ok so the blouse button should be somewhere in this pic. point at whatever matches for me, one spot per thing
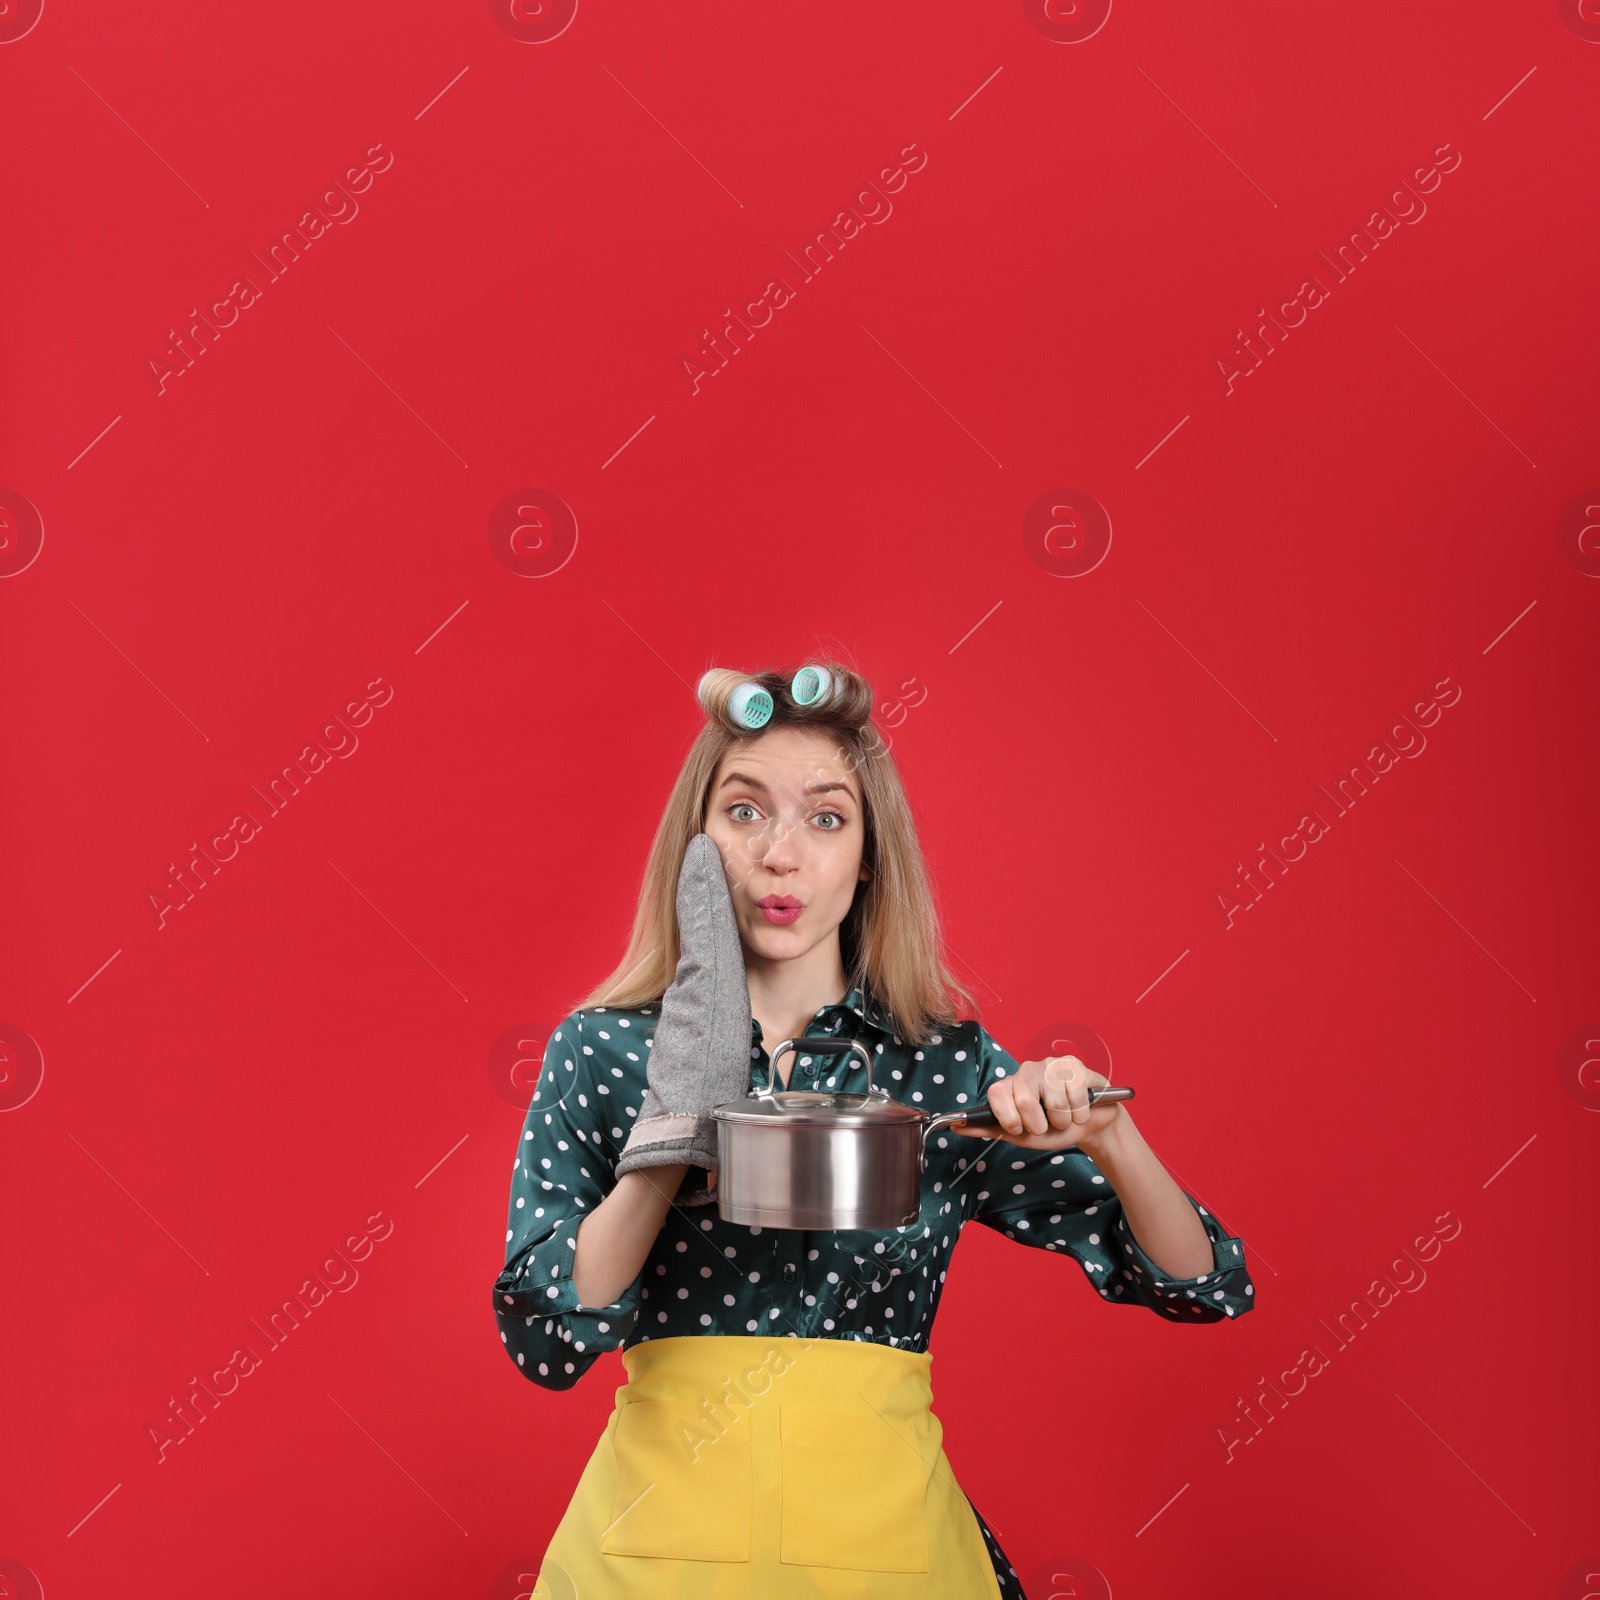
(788, 1272)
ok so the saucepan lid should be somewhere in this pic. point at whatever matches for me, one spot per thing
(773, 1107)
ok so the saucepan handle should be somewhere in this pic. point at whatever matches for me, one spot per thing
(983, 1117)
(820, 1047)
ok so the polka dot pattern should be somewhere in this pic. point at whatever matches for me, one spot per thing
(706, 1276)
(1005, 1574)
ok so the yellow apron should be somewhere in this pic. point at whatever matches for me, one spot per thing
(781, 1467)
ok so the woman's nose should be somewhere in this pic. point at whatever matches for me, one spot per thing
(780, 844)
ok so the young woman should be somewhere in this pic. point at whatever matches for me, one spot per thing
(775, 1436)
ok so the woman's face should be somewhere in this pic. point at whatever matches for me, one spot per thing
(787, 816)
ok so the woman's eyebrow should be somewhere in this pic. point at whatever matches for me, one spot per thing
(811, 788)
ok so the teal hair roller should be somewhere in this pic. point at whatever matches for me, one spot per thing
(750, 706)
(811, 686)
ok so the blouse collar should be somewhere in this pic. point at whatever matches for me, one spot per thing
(860, 1004)
(867, 1008)
(830, 1018)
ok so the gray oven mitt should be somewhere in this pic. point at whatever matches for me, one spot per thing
(700, 1055)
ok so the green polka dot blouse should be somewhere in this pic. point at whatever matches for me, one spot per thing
(707, 1276)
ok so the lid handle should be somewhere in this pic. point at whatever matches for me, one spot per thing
(823, 1047)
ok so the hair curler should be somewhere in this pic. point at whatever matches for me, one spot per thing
(813, 686)
(750, 706)
(747, 706)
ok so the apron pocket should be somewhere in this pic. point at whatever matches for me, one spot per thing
(683, 1489)
(854, 1491)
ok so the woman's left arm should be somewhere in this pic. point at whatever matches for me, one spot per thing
(1065, 1175)
(1159, 1214)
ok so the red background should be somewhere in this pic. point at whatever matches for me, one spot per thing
(310, 1042)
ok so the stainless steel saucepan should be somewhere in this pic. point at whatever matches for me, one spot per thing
(804, 1158)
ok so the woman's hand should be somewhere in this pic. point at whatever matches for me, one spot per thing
(1045, 1106)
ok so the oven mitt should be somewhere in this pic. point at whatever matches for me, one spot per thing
(700, 1055)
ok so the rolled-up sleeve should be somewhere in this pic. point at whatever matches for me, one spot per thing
(1060, 1200)
(563, 1170)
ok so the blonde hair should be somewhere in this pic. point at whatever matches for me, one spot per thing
(891, 940)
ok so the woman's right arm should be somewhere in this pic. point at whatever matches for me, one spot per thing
(614, 1241)
(555, 1285)
(555, 1317)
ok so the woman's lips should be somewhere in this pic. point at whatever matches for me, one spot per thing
(780, 909)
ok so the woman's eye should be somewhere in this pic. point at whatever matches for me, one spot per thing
(741, 805)
(835, 817)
